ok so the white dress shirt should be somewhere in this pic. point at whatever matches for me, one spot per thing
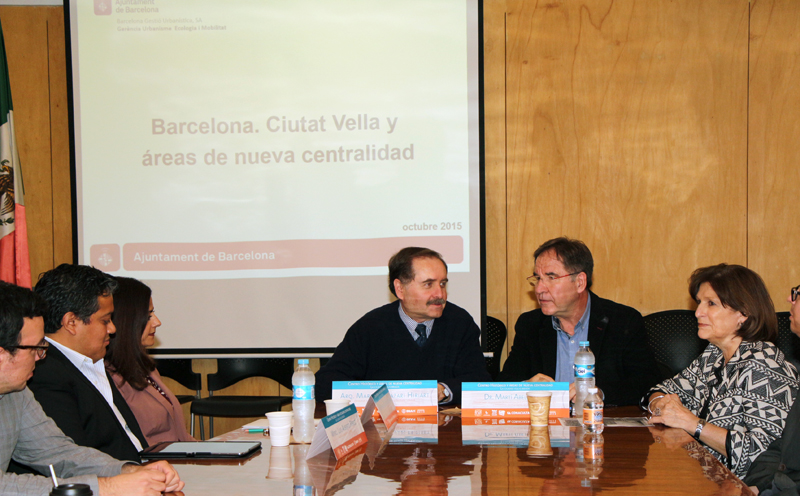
(96, 373)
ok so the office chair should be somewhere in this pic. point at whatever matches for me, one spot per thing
(229, 372)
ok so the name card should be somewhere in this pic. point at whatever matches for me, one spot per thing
(508, 432)
(382, 400)
(341, 431)
(509, 399)
(412, 430)
(328, 473)
(409, 397)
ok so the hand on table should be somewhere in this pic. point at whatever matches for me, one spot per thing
(146, 480)
(669, 410)
(541, 378)
(547, 378)
(669, 437)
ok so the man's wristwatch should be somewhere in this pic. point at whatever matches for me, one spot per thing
(700, 424)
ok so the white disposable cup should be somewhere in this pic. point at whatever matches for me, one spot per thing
(279, 419)
(280, 462)
(279, 435)
(333, 406)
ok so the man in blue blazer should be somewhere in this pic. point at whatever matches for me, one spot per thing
(72, 384)
(548, 338)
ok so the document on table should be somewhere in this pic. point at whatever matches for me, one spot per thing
(609, 422)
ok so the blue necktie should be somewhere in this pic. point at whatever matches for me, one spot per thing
(423, 335)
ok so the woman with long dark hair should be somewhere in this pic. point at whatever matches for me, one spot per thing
(735, 397)
(158, 412)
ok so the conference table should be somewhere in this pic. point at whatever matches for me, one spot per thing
(446, 454)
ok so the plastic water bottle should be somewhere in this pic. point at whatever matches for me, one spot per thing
(303, 402)
(584, 376)
(593, 412)
(593, 455)
(303, 485)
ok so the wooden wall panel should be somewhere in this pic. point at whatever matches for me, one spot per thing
(626, 128)
(35, 48)
(773, 135)
(59, 141)
(494, 45)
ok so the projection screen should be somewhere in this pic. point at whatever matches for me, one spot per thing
(257, 162)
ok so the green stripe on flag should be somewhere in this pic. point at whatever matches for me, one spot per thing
(5, 83)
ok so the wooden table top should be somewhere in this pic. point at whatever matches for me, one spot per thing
(458, 458)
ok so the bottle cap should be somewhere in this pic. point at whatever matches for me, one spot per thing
(302, 361)
(583, 343)
(592, 390)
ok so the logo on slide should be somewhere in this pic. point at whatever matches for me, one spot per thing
(105, 257)
(102, 7)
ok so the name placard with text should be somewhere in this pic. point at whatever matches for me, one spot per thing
(341, 431)
(508, 432)
(409, 397)
(381, 400)
(509, 399)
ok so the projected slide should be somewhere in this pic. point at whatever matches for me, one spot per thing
(257, 162)
(289, 141)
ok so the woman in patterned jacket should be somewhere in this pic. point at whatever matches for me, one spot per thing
(734, 398)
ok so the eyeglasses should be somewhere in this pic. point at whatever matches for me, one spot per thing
(795, 292)
(41, 349)
(534, 280)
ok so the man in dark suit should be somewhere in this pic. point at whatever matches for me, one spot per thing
(420, 336)
(547, 339)
(72, 385)
(776, 472)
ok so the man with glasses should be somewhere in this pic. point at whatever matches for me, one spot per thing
(29, 437)
(72, 385)
(777, 470)
(548, 338)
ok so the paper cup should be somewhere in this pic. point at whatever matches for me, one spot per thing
(539, 406)
(279, 419)
(280, 462)
(539, 441)
(279, 435)
(333, 406)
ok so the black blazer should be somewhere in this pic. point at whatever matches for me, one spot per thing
(78, 408)
(782, 457)
(624, 365)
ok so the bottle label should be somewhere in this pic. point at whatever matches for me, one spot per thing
(584, 371)
(303, 392)
(592, 416)
(593, 451)
(303, 490)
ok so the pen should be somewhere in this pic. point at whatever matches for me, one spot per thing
(256, 431)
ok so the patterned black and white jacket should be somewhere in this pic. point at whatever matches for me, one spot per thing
(750, 396)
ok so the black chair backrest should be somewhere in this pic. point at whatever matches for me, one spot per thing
(232, 370)
(788, 342)
(495, 339)
(672, 335)
(180, 371)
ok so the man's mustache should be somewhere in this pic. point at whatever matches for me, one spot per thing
(437, 301)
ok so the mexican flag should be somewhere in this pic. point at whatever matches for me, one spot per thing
(15, 266)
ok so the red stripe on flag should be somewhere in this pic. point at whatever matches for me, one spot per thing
(23, 259)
